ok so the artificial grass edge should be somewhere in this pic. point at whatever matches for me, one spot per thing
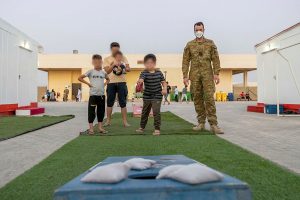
(40, 127)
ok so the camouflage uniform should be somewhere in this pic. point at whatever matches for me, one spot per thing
(204, 60)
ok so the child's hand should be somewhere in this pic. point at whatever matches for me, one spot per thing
(106, 82)
(164, 91)
(90, 85)
(140, 81)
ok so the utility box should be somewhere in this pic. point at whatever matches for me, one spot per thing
(143, 185)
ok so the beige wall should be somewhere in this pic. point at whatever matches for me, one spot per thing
(228, 61)
(225, 84)
(58, 79)
(131, 78)
(174, 77)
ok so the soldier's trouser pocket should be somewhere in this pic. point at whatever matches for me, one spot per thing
(209, 87)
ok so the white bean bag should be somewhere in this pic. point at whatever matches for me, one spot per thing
(190, 174)
(139, 163)
(111, 173)
(166, 171)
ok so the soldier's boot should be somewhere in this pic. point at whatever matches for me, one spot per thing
(216, 130)
(199, 127)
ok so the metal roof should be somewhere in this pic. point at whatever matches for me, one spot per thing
(7, 27)
(278, 34)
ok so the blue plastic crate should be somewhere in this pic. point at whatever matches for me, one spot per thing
(272, 109)
(143, 185)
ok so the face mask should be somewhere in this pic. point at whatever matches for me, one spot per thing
(198, 34)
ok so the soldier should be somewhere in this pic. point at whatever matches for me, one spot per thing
(201, 65)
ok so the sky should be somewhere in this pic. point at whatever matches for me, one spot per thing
(156, 26)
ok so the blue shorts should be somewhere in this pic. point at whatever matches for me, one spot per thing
(114, 88)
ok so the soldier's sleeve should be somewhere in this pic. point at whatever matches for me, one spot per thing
(186, 61)
(215, 59)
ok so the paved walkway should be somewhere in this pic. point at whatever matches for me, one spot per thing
(23, 152)
(271, 137)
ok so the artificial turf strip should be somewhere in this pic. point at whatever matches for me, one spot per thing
(18, 125)
(267, 180)
(170, 122)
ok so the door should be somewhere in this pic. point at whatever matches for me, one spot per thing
(75, 87)
(41, 92)
(25, 81)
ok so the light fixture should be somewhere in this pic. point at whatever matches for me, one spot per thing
(25, 45)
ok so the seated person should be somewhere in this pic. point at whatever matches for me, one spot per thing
(119, 66)
(242, 96)
(248, 97)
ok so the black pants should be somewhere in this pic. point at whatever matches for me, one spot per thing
(96, 103)
(147, 106)
(176, 97)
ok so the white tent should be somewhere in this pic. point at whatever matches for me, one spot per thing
(18, 66)
(278, 68)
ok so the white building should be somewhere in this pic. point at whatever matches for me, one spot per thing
(18, 68)
(278, 68)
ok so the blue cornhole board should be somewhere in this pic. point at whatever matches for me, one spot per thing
(143, 185)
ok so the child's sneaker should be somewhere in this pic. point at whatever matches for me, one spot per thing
(127, 125)
(140, 130)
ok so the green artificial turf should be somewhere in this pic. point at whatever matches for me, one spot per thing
(18, 125)
(173, 125)
(267, 180)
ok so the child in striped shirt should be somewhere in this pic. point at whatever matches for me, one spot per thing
(153, 80)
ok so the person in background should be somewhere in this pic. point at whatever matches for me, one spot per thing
(79, 95)
(117, 84)
(48, 95)
(176, 93)
(167, 95)
(52, 95)
(184, 94)
(242, 96)
(57, 95)
(248, 98)
(66, 94)
(97, 98)
(153, 80)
